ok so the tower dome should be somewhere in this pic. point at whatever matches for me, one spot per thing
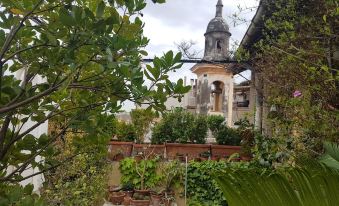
(217, 37)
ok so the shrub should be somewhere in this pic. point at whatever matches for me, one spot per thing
(215, 122)
(125, 131)
(228, 136)
(180, 126)
(141, 120)
(199, 130)
(142, 174)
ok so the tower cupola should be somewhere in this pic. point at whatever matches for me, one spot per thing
(217, 37)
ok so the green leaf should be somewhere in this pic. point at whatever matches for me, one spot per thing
(65, 17)
(100, 9)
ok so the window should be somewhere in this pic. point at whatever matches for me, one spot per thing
(218, 45)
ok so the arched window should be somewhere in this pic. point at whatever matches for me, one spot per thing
(216, 90)
(218, 45)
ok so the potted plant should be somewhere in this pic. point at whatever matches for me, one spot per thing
(146, 171)
(140, 200)
(172, 173)
(156, 196)
(117, 198)
(168, 199)
(205, 155)
(128, 189)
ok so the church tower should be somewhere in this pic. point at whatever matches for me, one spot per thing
(215, 80)
(217, 37)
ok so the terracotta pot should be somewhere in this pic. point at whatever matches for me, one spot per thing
(245, 158)
(215, 158)
(113, 188)
(156, 199)
(117, 198)
(125, 148)
(118, 157)
(204, 158)
(142, 192)
(140, 202)
(181, 158)
(197, 159)
(167, 202)
(224, 150)
(192, 150)
(127, 201)
(154, 150)
(138, 158)
(129, 193)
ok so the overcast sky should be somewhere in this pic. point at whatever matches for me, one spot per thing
(185, 20)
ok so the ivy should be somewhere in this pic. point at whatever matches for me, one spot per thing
(202, 189)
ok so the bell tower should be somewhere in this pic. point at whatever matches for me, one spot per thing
(215, 80)
(217, 37)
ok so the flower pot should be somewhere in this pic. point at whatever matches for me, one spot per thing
(129, 193)
(142, 192)
(181, 158)
(124, 147)
(127, 201)
(117, 198)
(245, 158)
(167, 201)
(118, 157)
(138, 158)
(113, 188)
(215, 158)
(140, 202)
(156, 199)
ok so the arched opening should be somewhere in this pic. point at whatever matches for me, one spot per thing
(216, 92)
(218, 45)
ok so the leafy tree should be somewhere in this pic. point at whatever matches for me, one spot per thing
(296, 59)
(125, 131)
(142, 119)
(88, 56)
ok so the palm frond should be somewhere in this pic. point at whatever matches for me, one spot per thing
(307, 186)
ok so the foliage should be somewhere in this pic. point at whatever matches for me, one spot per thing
(227, 136)
(199, 130)
(80, 181)
(297, 186)
(125, 131)
(215, 122)
(247, 140)
(76, 62)
(142, 174)
(17, 195)
(201, 187)
(180, 126)
(331, 156)
(270, 152)
(172, 175)
(297, 61)
(141, 120)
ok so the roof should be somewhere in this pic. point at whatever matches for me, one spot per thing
(217, 24)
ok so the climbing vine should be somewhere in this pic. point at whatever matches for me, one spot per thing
(297, 61)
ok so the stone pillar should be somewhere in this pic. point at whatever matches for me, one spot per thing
(230, 103)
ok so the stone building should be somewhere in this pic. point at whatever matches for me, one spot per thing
(214, 91)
